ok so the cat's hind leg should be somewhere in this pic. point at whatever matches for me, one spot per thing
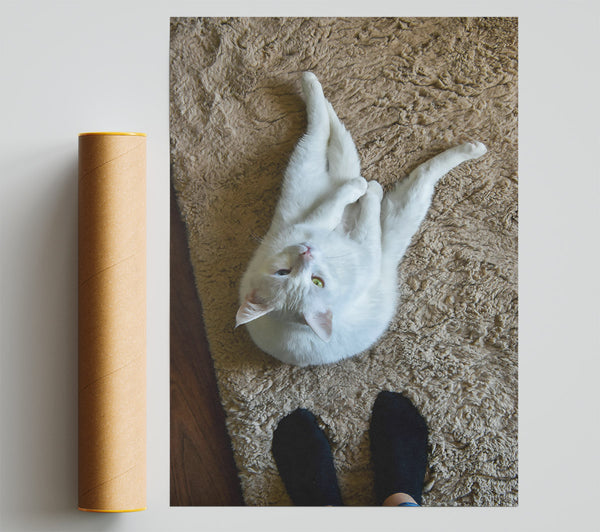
(316, 107)
(342, 158)
(305, 180)
(405, 207)
(309, 158)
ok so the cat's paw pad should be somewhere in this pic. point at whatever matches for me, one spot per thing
(310, 85)
(474, 149)
(374, 188)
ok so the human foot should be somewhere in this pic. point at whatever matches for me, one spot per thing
(304, 460)
(398, 436)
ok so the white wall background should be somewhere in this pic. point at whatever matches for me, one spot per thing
(68, 67)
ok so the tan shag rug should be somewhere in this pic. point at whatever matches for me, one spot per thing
(406, 89)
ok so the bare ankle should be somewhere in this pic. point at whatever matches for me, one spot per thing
(398, 498)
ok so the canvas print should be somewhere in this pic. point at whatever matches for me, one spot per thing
(344, 229)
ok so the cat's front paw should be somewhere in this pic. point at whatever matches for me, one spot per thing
(374, 188)
(354, 189)
(360, 184)
(474, 149)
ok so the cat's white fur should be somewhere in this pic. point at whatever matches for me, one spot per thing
(332, 227)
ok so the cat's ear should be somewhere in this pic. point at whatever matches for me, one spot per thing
(320, 323)
(251, 309)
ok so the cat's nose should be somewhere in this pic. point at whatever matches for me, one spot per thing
(305, 252)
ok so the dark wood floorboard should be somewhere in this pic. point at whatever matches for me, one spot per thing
(203, 472)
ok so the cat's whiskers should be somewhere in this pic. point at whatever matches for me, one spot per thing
(338, 256)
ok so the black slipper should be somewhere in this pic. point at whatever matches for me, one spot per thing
(304, 460)
(398, 436)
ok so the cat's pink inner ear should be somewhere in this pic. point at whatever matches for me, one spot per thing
(251, 309)
(320, 323)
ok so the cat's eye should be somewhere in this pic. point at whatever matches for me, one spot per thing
(283, 272)
(318, 281)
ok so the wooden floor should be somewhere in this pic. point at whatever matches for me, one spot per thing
(203, 472)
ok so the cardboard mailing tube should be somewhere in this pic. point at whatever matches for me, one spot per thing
(112, 322)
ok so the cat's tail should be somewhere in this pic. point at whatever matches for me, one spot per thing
(405, 206)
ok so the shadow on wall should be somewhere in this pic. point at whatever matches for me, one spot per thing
(38, 376)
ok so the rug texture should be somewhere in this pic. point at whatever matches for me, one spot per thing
(406, 89)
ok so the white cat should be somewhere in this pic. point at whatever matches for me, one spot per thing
(322, 286)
